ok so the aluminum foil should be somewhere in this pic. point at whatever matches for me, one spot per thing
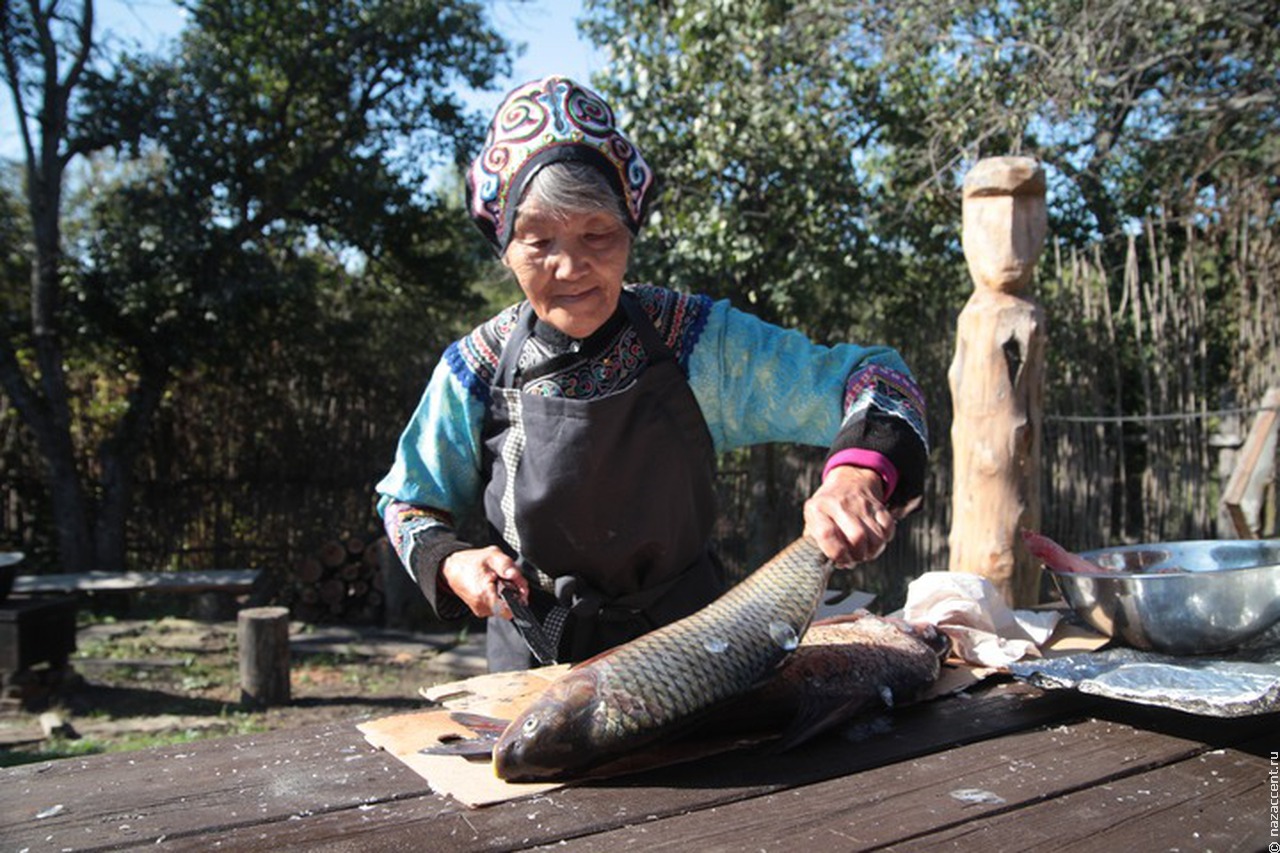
(1239, 684)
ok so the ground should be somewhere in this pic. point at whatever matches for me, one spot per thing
(134, 683)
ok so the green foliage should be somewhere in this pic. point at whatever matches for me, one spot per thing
(779, 146)
(750, 124)
(811, 151)
(874, 110)
(280, 130)
(267, 172)
(15, 264)
(1134, 107)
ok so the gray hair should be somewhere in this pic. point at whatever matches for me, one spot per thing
(567, 187)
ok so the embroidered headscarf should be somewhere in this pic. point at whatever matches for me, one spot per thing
(547, 121)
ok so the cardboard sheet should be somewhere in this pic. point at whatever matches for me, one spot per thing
(502, 695)
(1072, 638)
(472, 783)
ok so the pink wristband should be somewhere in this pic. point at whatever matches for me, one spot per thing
(860, 458)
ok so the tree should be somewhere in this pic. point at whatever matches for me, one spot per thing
(276, 127)
(53, 48)
(1136, 106)
(812, 151)
(796, 136)
(742, 130)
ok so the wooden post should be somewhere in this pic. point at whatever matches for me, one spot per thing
(997, 377)
(263, 634)
(1243, 498)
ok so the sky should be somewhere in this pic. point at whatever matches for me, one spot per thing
(547, 27)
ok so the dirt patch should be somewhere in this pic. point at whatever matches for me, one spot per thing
(137, 683)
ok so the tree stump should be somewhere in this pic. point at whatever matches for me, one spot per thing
(997, 379)
(263, 634)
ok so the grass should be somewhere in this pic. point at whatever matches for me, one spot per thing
(130, 676)
(49, 750)
(139, 675)
(58, 747)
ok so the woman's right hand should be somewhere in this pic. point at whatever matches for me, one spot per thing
(474, 575)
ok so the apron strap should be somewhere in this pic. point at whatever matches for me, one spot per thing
(653, 345)
(504, 375)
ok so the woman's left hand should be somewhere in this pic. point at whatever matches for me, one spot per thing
(847, 517)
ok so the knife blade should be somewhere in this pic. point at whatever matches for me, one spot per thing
(527, 625)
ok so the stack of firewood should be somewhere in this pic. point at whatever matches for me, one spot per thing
(340, 582)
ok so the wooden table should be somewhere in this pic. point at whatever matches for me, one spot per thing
(1007, 768)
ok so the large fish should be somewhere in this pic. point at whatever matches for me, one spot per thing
(845, 666)
(662, 683)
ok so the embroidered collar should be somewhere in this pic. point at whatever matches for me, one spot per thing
(557, 351)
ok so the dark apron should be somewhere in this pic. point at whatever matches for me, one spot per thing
(607, 503)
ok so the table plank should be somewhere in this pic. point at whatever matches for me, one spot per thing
(205, 788)
(1215, 801)
(1073, 764)
(927, 797)
(650, 798)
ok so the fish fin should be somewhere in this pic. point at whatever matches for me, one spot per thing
(470, 748)
(819, 714)
(479, 723)
(843, 618)
(480, 747)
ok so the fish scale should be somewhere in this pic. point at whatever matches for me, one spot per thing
(656, 684)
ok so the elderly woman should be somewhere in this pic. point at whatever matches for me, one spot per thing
(585, 421)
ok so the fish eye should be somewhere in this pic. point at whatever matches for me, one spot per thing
(530, 725)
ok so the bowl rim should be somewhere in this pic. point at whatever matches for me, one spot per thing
(1116, 574)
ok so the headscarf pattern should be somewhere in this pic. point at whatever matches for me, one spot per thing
(545, 121)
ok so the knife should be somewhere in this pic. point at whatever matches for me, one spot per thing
(527, 624)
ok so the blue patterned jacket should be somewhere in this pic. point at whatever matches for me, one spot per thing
(754, 382)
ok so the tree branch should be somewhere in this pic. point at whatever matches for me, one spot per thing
(31, 409)
(8, 40)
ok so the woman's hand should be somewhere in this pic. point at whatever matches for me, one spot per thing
(847, 517)
(474, 575)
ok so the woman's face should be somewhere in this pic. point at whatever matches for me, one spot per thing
(570, 267)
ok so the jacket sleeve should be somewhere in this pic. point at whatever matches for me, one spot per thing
(759, 383)
(434, 480)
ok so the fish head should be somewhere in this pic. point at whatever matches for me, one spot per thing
(935, 639)
(553, 735)
(925, 632)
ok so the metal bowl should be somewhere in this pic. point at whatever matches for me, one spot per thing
(1181, 598)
